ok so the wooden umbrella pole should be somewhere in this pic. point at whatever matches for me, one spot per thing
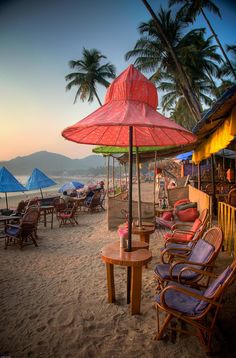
(154, 184)
(108, 165)
(113, 174)
(130, 218)
(126, 183)
(139, 190)
(130, 209)
(6, 200)
(120, 177)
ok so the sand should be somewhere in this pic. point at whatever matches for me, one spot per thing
(53, 301)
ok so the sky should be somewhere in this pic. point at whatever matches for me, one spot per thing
(37, 40)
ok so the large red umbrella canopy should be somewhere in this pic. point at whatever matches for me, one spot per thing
(131, 100)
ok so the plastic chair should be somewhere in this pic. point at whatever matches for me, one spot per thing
(193, 307)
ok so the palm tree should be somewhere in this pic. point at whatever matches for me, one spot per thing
(195, 54)
(192, 8)
(89, 73)
(189, 94)
(225, 70)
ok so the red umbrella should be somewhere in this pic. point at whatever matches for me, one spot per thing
(129, 118)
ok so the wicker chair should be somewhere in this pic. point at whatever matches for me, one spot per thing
(232, 197)
(182, 233)
(24, 233)
(193, 307)
(201, 257)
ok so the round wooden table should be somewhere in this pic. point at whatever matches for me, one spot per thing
(144, 232)
(112, 255)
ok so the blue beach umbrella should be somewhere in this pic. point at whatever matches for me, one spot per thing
(39, 180)
(72, 185)
(8, 183)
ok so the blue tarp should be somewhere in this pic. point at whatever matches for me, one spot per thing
(8, 183)
(39, 180)
(185, 156)
(72, 185)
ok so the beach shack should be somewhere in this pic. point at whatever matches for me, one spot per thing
(216, 131)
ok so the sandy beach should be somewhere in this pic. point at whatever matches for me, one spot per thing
(53, 301)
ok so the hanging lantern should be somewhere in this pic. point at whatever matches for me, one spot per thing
(230, 174)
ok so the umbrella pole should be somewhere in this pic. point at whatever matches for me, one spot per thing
(108, 166)
(139, 190)
(113, 175)
(41, 192)
(130, 209)
(154, 184)
(6, 200)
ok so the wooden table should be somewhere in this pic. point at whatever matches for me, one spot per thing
(47, 210)
(160, 211)
(144, 232)
(112, 255)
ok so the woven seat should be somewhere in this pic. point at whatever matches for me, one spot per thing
(193, 306)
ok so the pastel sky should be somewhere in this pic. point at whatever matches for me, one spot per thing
(38, 38)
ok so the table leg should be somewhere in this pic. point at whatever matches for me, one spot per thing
(136, 285)
(144, 237)
(52, 219)
(110, 283)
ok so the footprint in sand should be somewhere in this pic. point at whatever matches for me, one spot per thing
(63, 318)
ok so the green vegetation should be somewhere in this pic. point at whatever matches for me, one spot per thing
(186, 66)
(88, 73)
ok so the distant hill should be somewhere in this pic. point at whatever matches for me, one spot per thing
(52, 163)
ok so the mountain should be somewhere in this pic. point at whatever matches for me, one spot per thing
(52, 163)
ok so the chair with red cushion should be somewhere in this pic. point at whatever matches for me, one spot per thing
(183, 233)
(68, 215)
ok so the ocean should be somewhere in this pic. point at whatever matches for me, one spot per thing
(14, 198)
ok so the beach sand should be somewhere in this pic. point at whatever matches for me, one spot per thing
(53, 301)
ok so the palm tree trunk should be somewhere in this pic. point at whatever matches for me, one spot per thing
(218, 42)
(191, 96)
(184, 92)
(96, 95)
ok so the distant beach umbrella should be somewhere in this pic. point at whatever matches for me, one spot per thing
(72, 185)
(39, 180)
(9, 184)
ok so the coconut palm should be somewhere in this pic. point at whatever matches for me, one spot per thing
(88, 73)
(189, 94)
(225, 69)
(196, 55)
(192, 8)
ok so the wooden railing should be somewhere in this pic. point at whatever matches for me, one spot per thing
(226, 221)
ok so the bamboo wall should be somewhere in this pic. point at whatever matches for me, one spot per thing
(226, 221)
(116, 204)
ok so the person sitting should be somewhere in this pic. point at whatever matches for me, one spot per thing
(73, 194)
(89, 197)
(66, 197)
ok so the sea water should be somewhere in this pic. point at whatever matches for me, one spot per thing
(14, 198)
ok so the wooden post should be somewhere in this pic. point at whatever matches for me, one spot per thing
(213, 185)
(154, 184)
(130, 216)
(113, 174)
(108, 166)
(199, 176)
(120, 178)
(139, 190)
